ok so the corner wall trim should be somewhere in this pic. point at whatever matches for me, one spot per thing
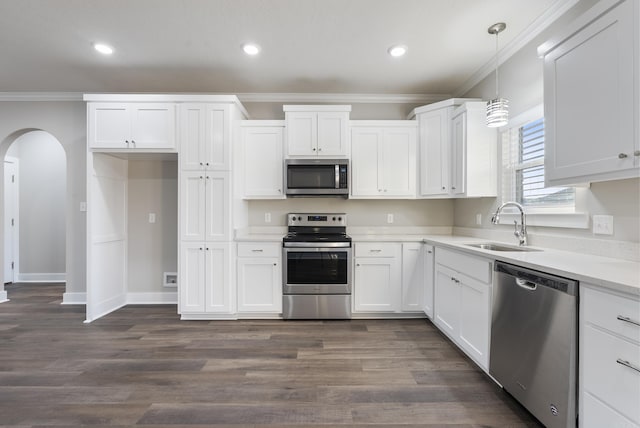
(153, 298)
(74, 299)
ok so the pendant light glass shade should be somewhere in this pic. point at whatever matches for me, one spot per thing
(497, 112)
(498, 108)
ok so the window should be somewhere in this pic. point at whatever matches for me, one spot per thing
(523, 171)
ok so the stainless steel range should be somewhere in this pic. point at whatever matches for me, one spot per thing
(317, 267)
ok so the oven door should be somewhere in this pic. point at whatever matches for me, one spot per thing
(316, 270)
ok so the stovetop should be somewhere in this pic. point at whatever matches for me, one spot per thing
(317, 228)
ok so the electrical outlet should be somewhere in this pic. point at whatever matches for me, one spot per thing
(479, 219)
(83, 207)
(389, 218)
(267, 217)
(603, 225)
(152, 217)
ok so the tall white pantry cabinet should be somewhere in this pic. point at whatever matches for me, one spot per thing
(205, 268)
(194, 133)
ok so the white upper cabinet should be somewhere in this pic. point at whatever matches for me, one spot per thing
(205, 137)
(383, 159)
(313, 131)
(457, 151)
(262, 159)
(434, 129)
(114, 125)
(591, 96)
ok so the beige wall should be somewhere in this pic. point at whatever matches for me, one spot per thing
(152, 247)
(66, 121)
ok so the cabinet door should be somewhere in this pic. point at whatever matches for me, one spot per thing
(333, 133)
(262, 159)
(412, 277)
(434, 152)
(217, 206)
(377, 285)
(458, 154)
(192, 277)
(446, 301)
(364, 161)
(397, 169)
(302, 133)
(192, 132)
(259, 285)
(475, 304)
(109, 125)
(192, 206)
(218, 290)
(590, 88)
(217, 147)
(153, 126)
(429, 280)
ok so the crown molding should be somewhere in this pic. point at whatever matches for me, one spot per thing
(548, 17)
(289, 97)
(258, 97)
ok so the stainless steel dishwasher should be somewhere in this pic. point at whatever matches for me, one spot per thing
(533, 342)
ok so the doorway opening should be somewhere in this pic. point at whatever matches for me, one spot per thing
(35, 194)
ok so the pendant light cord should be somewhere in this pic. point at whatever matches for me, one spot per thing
(497, 65)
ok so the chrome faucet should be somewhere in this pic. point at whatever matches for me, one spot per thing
(520, 233)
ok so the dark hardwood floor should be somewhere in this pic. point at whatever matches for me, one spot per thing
(143, 366)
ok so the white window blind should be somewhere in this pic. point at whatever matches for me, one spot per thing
(523, 169)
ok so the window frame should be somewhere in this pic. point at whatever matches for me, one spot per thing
(557, 215)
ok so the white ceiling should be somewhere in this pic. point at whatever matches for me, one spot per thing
(308, 46)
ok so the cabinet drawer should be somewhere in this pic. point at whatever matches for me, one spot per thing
(603, 376)
(377, 249)
(474, 267)
(259, 249)
(612, 312)
(596, 414)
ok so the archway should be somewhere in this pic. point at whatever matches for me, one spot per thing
(40, 183)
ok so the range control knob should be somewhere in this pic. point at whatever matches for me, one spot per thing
(339, 218)
(334, 219)
(299, 218)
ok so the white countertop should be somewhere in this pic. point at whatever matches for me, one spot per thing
(616, 274)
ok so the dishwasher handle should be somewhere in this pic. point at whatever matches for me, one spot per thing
(527, 285)
(530, 279)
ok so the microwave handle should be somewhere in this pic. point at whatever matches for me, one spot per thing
(337, 176)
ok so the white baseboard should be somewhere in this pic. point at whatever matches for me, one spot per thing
(153, 298)
(40, 277)
(3, 297)
(74, 299)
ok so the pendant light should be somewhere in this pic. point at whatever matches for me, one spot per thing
(498, 108)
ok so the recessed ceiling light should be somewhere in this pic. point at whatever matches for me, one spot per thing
(103, 49)
(251, 48)
(397, 50)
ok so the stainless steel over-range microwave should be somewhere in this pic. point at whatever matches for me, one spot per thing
(317, 177)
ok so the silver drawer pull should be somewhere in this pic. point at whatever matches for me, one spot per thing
(375, 251)
(629, 320)
(627, 364)
(257, 251)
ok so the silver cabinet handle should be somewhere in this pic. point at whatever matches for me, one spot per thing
(622, 155)
(375, 251)
(627, 364)
(629, 320)
(257, 250)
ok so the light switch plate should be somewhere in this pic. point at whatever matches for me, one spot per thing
(267, 217)
(389, 218)
(152, 217)
(603, 225)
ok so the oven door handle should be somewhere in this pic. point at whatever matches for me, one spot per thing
(318, 245)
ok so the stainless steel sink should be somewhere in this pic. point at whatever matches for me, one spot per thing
(492, 246)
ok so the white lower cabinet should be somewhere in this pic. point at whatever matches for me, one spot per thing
(378, 276)
(462, 302)
(412, 277)
(259, 278)
(429, 279)
(205, 283)
(609, 382)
